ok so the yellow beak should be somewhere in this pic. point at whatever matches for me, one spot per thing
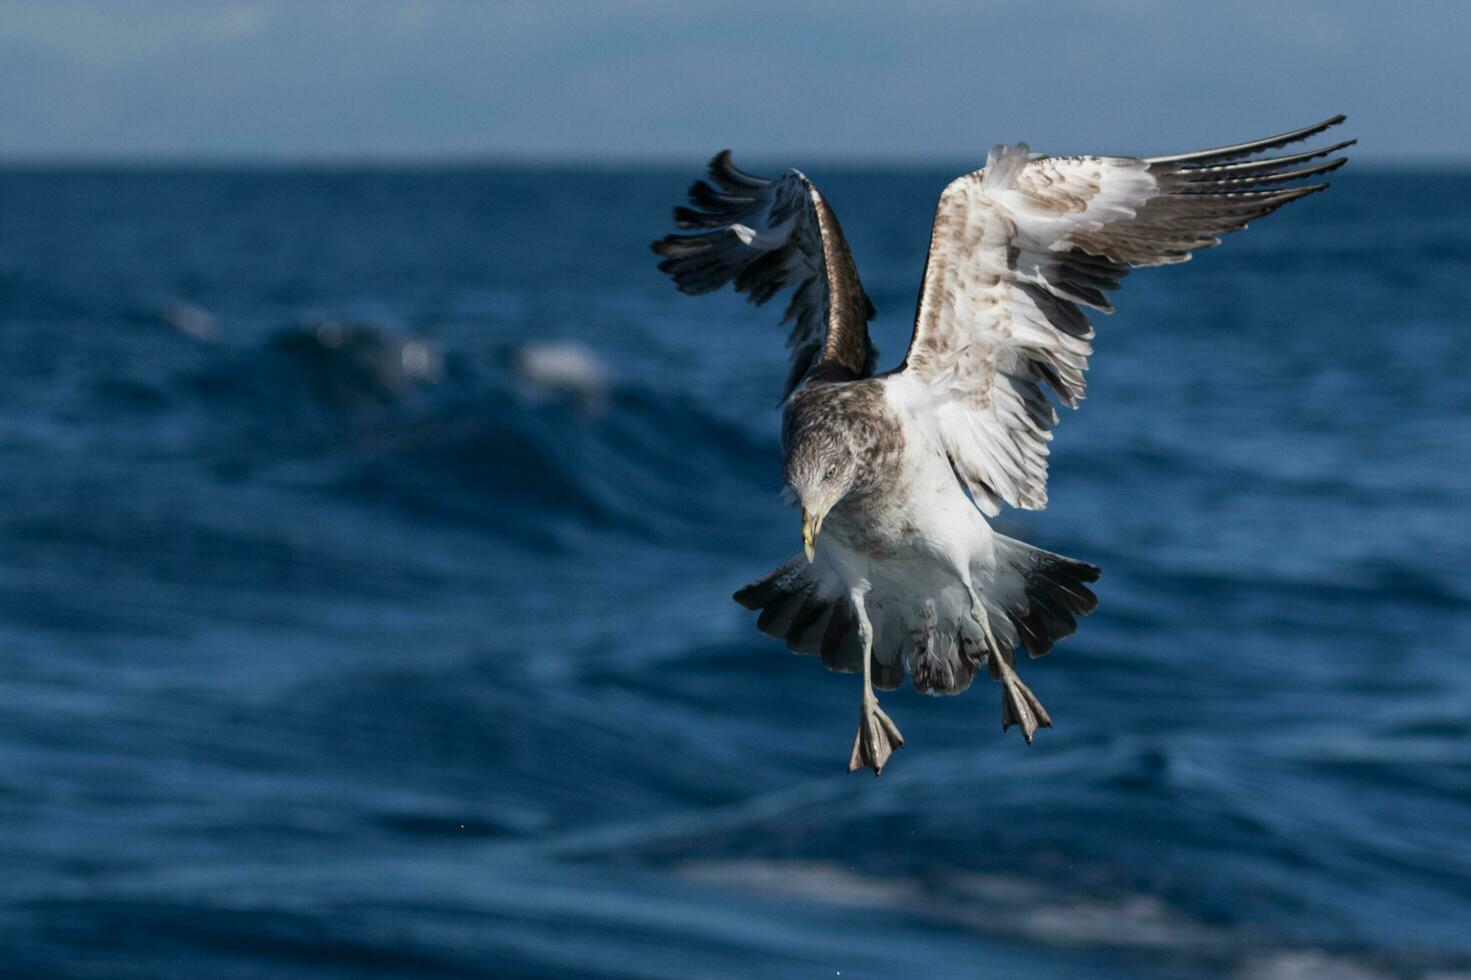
(810, 526)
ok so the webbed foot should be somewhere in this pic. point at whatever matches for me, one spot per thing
(876, 740)
(1019, 706)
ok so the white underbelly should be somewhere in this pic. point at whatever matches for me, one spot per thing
(920, 538)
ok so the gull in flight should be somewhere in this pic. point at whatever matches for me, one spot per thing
(896, 473)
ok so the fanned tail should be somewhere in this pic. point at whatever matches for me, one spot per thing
(1032, 597)
(1053, 593)
(805, 605)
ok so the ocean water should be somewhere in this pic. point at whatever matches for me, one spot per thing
(366, 547)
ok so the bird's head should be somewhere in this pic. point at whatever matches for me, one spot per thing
(821, 468)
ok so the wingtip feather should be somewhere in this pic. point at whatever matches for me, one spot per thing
(1235, 151)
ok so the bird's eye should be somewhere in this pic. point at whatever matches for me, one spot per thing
(832, 471)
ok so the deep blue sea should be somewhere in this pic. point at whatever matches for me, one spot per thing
(366, 547)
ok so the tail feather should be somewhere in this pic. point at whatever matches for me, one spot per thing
(804, 605)
(1033, 598)
(809, 626)
(761, 592)
(1053, 593)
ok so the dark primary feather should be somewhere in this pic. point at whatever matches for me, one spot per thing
(1251, 147)
(799, 243)
(1268, 163)
(1200, 198)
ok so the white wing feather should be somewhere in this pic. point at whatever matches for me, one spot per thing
(1019, 247)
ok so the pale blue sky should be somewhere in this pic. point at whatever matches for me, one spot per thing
(670, 79)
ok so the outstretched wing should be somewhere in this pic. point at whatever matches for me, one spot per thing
(1019, 247)
(767, 235)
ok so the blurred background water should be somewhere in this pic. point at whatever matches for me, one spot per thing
(366, 545)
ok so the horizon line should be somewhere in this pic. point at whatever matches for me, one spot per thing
(571, 161)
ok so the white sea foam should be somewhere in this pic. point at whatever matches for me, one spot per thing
(562, 368)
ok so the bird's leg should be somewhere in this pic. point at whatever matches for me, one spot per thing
(978, 612)
(1019, 706)
(877, 736)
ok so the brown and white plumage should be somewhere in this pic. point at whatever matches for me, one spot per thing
(1020, 247)
(908, 577)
